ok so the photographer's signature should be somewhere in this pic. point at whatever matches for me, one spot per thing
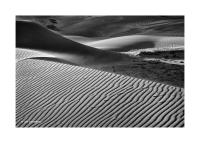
(29, 122)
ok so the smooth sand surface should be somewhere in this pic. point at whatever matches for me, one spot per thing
(136, 42)
(82, 39)
(112, 26)
(53, 94)
(133, 63)
(164, 49)
(33, 36)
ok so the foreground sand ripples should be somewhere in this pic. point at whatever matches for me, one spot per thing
(50, 94)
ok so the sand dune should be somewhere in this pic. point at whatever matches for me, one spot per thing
(33, 36)
(77, 81)
(112, 26)
(163, 49)
(82, 39)
(50, 94)
(150, 68)
(137, 42)
(22, 54)
(151, 48)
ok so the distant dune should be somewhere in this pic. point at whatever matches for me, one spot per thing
(33, 36)
(136, 42)
(82, 39)
(112, 26)
(52, 94)
(58, 48)
(162, 57)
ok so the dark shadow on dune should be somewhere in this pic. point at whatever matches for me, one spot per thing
(137, 45)
(30, 35)
(34, 36)
(179, 54)
(151, 70)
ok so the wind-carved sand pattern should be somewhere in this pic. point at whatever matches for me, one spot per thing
(100, 71)
(52, 94)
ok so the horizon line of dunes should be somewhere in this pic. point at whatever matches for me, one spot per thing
(111, 26)
(50, 94)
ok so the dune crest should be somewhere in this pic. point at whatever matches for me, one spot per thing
(137, 42)
(127, 72)
(33, 36)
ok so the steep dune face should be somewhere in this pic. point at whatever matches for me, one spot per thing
(33, 36)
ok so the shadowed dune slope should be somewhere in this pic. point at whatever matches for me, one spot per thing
(33, 36)
(50, 94)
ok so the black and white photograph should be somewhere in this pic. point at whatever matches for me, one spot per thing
(102, 71)
(109, 71)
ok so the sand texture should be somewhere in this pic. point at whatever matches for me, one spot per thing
(125, 78)
(52, 94)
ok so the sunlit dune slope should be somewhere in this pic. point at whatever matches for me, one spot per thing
(82, 39)
(51, 94)
(22, 54)
(136, 42)
(155, 71)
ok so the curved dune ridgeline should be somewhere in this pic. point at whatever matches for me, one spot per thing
(108, 81)
(22, 54)
(137, 42)
(50, 94)
(33, 36)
